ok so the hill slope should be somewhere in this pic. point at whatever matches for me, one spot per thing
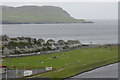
(36, 14)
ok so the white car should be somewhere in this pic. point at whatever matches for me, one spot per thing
(38, 53)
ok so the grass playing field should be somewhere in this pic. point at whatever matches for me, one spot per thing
(67, 63)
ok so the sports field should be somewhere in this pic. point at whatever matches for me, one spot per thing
(67, 63)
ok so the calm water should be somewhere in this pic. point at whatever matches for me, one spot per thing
(98, 32)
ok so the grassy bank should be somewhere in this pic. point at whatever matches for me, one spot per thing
(76, 69)
(67, 63)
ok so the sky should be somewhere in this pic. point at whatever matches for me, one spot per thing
(60, 0)
(79, 10)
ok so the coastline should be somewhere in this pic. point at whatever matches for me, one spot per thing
(49, 23)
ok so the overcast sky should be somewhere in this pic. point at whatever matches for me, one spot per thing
(84, 10)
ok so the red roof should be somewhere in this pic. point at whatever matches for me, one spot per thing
(3, 66)
(108, 45)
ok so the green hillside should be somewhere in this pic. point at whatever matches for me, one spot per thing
(36, 14)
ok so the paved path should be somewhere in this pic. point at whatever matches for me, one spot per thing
(110, 71)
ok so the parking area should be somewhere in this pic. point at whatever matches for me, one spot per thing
(20, 73)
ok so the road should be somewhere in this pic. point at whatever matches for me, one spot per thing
(110, 71)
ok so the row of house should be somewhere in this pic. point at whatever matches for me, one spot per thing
(6, 39)
(35, 45)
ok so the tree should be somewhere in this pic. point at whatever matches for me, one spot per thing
(13, 44)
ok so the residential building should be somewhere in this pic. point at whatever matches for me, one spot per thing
(50, 41)
(41, 41)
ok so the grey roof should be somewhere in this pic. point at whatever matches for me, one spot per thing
(38, 44)
(61, 44)
(30, 46)
(21, 38)
(61, 41)
(11, 47)
(21, 47)
(14, 39)
(41, 40)
(51, 40)
(73, 41)
(56, 44)
(33, 39)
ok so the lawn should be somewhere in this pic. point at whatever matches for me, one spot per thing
(67, 63)
(0, 59)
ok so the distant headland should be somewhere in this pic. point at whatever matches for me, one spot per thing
(37, 15)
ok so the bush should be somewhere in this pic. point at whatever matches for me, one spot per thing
(16, 52)
(13, 44)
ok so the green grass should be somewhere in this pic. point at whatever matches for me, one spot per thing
(0, 47)
(73, 62)
(0, 59)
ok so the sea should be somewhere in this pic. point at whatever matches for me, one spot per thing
(99, 32)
